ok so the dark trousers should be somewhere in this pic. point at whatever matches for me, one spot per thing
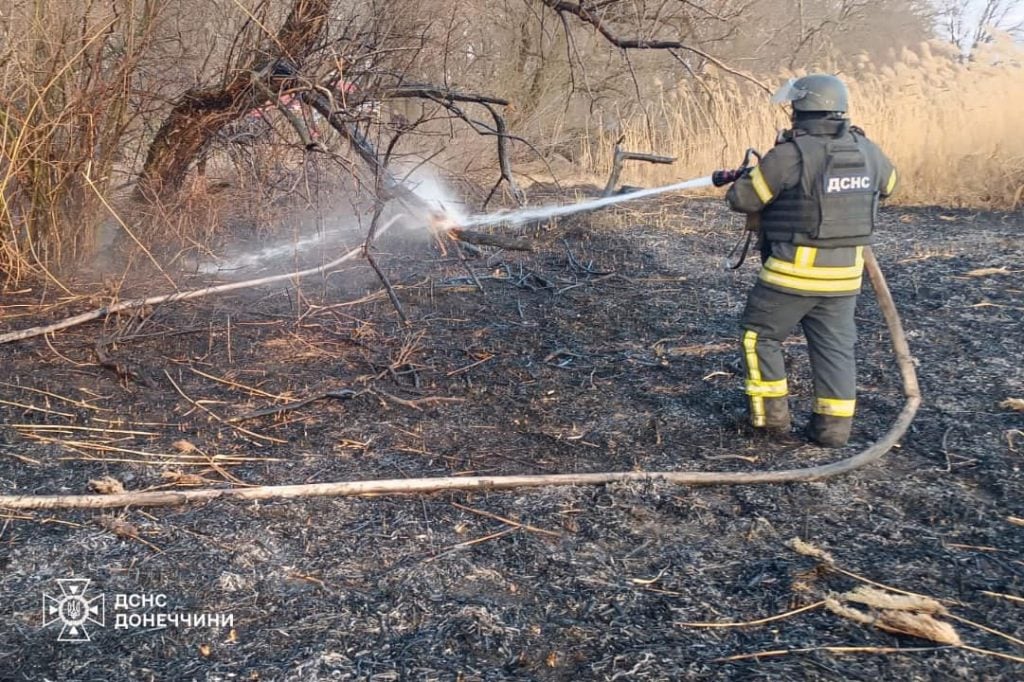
(831, 332)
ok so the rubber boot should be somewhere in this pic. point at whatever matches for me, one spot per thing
(776, 415)
(829, 431)
(777, 422)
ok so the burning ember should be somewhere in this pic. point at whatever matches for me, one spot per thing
(442, 222)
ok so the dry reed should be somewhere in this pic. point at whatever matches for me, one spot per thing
(951, 128)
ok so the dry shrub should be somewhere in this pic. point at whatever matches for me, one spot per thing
(951, 128)
(66, 82)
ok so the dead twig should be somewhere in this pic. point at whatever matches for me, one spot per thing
(71, 401)
(985, 628)
(21, 458)
(586, 14)
(831, 650)
(510, 522)
(1000, 595)
(416, 403)
(216, 417)
(33, 408)
(760, 621)
(996, 654)
(462, 370)
(61, 427)
(371, 235)
(234, 384)
(470, 543)
(341, 394)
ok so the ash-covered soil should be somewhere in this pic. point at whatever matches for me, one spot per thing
(613, 347)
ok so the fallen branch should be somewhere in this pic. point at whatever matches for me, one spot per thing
(183, 295)
(498, 240)
(621, 155)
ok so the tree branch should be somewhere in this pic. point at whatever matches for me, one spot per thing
(589, 17)
(201, 113)
(447, 99)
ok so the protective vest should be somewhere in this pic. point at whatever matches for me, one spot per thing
(836, 200)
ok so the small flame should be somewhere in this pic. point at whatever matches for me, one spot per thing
(442, 222)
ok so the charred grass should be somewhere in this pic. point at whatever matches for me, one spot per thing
(611, 348)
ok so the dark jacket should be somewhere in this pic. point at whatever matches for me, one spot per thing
(816, 191)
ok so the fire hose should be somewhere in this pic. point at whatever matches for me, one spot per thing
(720, 178)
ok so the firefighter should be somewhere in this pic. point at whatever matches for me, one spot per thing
(816, 195)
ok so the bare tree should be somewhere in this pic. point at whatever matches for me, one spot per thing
(969, 24)
(201, 113)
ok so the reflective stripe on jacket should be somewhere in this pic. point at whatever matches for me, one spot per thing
(813, 270)
(794, 261)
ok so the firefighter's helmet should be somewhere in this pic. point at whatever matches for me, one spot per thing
(816, 92)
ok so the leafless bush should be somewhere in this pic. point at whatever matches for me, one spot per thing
(214, 100)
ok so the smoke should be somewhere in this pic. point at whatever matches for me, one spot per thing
(425, 183)
(318, 236)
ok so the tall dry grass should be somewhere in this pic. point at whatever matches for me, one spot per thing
(953, 130)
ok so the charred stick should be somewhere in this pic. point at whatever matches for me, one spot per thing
(371, 235)
(620, 156)
(484, 239)
(392, 296)
(341, 394)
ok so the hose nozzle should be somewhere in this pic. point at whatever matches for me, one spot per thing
(720, 178)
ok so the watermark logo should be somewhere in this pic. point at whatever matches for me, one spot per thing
(73, 609)
(77, 612)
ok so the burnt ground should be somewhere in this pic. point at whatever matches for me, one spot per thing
(611, 348)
